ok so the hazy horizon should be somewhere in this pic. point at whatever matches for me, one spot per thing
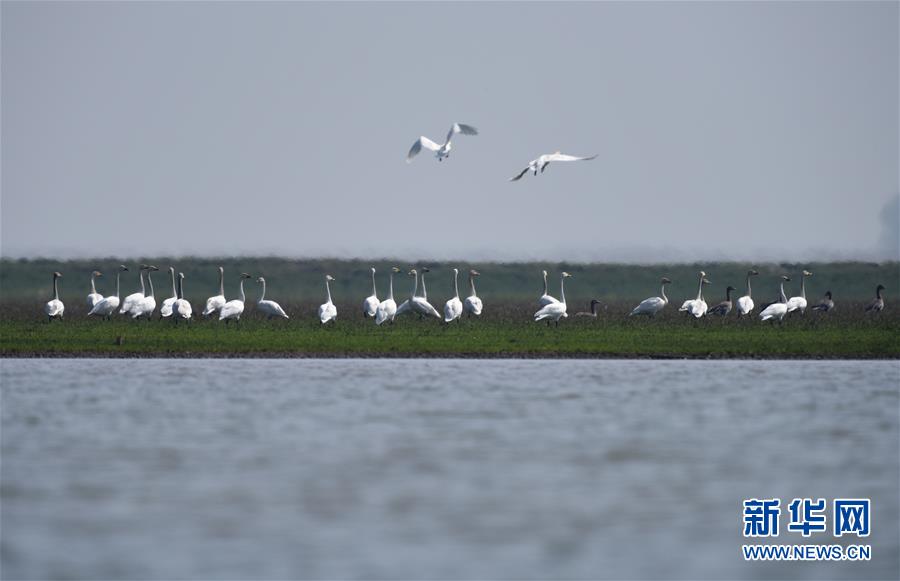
(754, 132)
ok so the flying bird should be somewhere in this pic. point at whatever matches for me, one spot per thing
(543, 161)
(440, 150)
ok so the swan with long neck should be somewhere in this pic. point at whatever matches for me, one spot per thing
(776, 311)
(745, 303)
(215, 303)
(723, 308)
(269, 308)
(146, 306)
(94, 297)
(877, 304)
(233, 309)
(649, 307)
(799, 303)
(133, 298)
(453, 308)
(696, 307)
(387, 309)
(166, 309)
(546, 299)
(555, 311)
(420, 304)
(108, 305)
(370, 304)
(181, 309)
(472, 305)
(327, 310)
(55, 308)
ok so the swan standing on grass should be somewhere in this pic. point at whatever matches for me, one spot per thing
(387, 309)
(55, 308)
(214, 304)
(877, 304)
(443, 150)
(653, 305)
(181, 308)
(543, 161)
(370, 305)
(776, 310)
(799, 303)
(133, 298)
(546, 299)
(327, 311)
(555, 311)
(269, 308)
(145, 306)
(233, 309)
(594, 304)
(108, 305)
(94, 297)
(472, 304)
(723, 308)
(166, 309)
(745, 303)
(825, 304)
(420, 304)
(696, 307)
(453, 308)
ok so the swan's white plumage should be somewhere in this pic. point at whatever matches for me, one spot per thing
(541, 163)
(441, 150)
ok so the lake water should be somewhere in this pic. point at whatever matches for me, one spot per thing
(284, 469)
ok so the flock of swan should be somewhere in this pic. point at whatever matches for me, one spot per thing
(143, 304)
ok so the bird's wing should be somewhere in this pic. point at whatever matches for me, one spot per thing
(520, 174)
(563, 157)
(461, 128)
(421, 142)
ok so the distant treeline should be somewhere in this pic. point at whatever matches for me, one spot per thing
(303, 279)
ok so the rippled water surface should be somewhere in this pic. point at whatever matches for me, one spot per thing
(212, 469)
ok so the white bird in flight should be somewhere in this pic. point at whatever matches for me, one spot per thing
(543, 161)
(440, 150)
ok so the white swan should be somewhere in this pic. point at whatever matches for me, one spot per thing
(420, 304)
(745, 303)
(440, 150)
(131, 299)
(472, 305)
(653, 305)
(799, 303)
(269, 308)
(233, 309)
(327, 310)
(543, 161)
(55, 308)
(108, 305)
(145, 306)
(213, 304)
(776, 310)
(555, 311)
(546, 299)
(696, 307)
(181, 309)
(94, 297)
(387, 309)
(453, 308)
(166, 309)
(370, 305)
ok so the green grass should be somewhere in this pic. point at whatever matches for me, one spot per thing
(505, 330)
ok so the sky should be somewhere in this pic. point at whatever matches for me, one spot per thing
(744, 131)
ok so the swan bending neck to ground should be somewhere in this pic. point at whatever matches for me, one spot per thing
(181, 309)
(745, 303)
(214, 304)
(108, 305)
(777, 311)
(453, 308)
(653, 305)
(387, 309)
(94, 297)
(55, 308)
(269, 308)
(555, 311)
(799, 303)
(593, 313)
(440, 150)
(546, 299)
(370, 304)
(233, 309)
(327, 311)
(472, 305)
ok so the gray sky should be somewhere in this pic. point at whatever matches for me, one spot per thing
(754, 131)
